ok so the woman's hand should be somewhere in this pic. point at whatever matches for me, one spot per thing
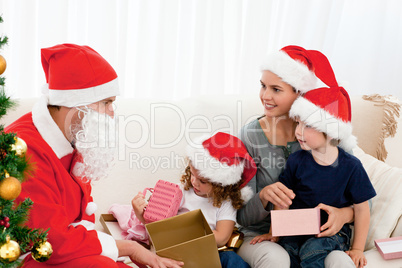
(337, 217)
(264, 237)
(139, 204)
(278, 194)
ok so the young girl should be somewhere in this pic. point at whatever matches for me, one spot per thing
(214, 181)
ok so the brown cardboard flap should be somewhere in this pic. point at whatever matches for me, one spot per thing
(186, 237)
(104, 219)
(194, 253)
(178, 229)
(111, 227)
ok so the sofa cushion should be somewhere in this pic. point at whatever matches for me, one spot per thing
(387, 204)
(398, 229)
(375, 260)
(153, 136)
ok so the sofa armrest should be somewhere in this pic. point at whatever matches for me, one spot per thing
(386, 207)
(374, 118)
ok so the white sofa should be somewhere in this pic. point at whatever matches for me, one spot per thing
(153, 135)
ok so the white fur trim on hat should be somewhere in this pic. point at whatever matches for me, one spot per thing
(211, 168)
(348, 144)
(291, 71)
(80, 97)
(324, 122)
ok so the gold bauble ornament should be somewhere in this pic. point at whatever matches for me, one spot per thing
(10, 188)
(3, 64)
(20, 147)
(42, 251)
(9, 251)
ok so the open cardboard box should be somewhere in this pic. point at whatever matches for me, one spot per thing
(186, 237)
(389, 248)
(111, 226)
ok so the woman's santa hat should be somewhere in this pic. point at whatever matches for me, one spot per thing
(303, 69)
(77, 75)
(224, 160)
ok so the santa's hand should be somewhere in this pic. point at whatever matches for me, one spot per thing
(161, 262)
(278, 194)
(139, 254)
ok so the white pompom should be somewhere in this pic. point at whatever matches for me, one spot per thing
(91, 208)
(246, 193)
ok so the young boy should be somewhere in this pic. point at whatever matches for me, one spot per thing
(322, 172)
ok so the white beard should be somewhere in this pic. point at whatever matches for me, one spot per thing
(95, 142)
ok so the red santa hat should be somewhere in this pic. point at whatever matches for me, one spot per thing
(329, 111)
(302, 69)
(77, 75)
(224, 160)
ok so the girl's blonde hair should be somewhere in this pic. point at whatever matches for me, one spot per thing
(219, 193)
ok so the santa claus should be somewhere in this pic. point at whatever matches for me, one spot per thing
(70, 137)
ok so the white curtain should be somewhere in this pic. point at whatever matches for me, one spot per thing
(170, 49)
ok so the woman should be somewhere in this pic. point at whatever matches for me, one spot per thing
(269, 140)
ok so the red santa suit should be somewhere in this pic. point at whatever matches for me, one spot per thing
(62, 202)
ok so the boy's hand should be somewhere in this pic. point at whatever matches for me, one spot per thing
(264, 237)
(277, 194)
(139, 204)
(358, 257)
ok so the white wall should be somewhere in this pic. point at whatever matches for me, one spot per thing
(171, 49)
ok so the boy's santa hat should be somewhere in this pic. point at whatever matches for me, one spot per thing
(224, 160)
(77, 75)
(329, 111)
(303, 69)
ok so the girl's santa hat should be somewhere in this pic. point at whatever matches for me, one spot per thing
(303, 69)
(77, 75)
(224, 160)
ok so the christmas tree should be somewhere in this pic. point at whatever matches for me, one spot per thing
(15, 238)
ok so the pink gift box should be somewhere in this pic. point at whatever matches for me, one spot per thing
(389, 248)
(295, 222)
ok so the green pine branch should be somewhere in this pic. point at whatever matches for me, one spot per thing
(3, 39)
(5, 102)
(13, 216)
(15, 165)
(17, 231)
